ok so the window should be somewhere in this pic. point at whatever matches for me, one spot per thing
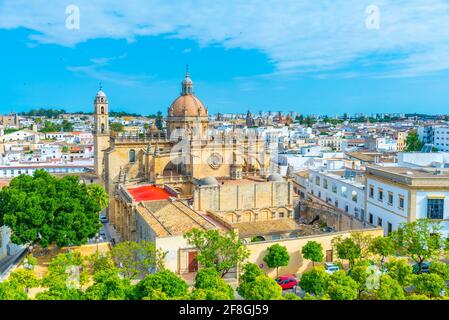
(334, 188)
(379, 222)
(317, 180)
(132, 156)
(102, 110)
(401, 202)
(371, 218)
(390, 198)
(389, 228)
(346, 208)
(435, 208)
(325, 183)
(371, 191)
(381, 195)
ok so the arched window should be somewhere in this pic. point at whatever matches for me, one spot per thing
(102, 99)
(102, 109)
(102, 128)
(132, 156)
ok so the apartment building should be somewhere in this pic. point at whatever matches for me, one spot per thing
(436, 135)
(345, 192)
(401, 194)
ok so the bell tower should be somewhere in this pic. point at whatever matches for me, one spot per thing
(101, 131)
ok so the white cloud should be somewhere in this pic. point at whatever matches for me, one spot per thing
(297, 36)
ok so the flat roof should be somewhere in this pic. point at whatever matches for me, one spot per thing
(413, 172)
(148, 192)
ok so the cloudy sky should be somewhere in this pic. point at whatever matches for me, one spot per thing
(316, 56)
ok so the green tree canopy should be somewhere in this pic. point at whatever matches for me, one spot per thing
(261, 288)
(382, 246)
(342, 287)
(208, 279)
(429, 284)
(99, 194)
(412, 142)
(108, 285)
(44, 209)
(390, 289)
(399, 270)
(420, 240)
(134, 258)
(314, 281)
(313, 251)
(277, 256)
(165, 282)
(347, 249)
(217, 249)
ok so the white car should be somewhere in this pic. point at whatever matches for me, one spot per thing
(331, 267)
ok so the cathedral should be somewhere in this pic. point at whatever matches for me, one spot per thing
(186, 153)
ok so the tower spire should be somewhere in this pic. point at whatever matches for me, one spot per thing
(187, 70)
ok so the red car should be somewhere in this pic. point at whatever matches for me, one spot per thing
(287, 282)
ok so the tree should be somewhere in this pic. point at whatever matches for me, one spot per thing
(67, 126)
(382, 246)
(277, 256)
(165, 282)
(341, 286)
(440, 268)
(250, 272)
(134, 258)
(24, 278)
(208, 279)
(109, 286)
(159, 119)
(98, 193)
(314, 281)
(429, 284)
(217, 249)
(116, 127)
(419, 240)
(43, 209)
(291, 296)
(412, 142)
(390, 289)
(347, 249)
(363, 241)
(9, 291)
(360, 274)
(261, 288)
(399, 270)
(66, 270)
(313, 251)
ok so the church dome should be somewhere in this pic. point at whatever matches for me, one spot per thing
(208, 181)
(275, 177)
(100, 93)
(187, 106)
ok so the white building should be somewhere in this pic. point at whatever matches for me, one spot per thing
(332, 187)
(401, 194)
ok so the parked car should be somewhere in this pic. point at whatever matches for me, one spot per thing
(287, 282)
(103, 219)
(331, 267)
(424, 267)
(102, 233)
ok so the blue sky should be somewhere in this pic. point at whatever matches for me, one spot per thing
(305, 56)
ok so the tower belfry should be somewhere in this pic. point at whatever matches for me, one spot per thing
(101, 130)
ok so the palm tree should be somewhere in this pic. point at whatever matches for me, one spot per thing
(98, 193)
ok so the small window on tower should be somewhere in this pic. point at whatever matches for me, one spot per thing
(102, 108)
(102, 128)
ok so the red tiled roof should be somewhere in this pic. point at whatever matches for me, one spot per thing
(146, 193)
